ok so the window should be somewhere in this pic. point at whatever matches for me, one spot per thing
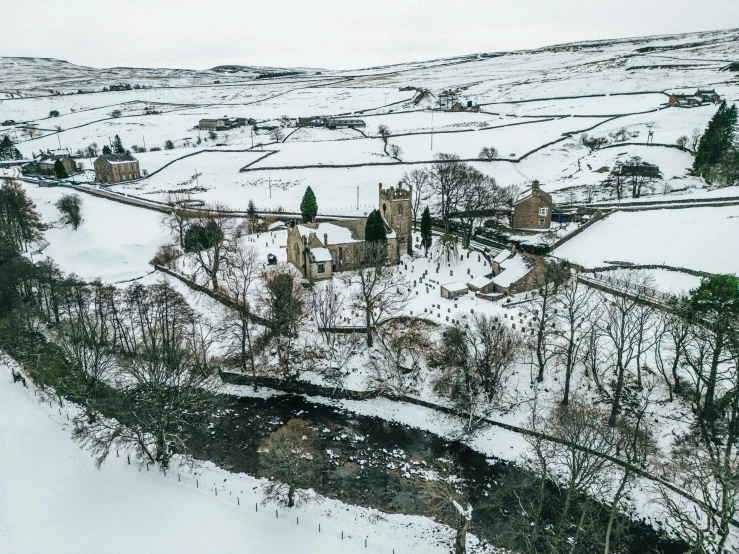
(321, 268)
(541, 223)
(543, 211)
(400, 209)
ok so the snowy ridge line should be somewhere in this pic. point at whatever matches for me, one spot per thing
(302, 388)
(252, 82)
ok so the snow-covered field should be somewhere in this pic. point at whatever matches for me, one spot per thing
(696, 238)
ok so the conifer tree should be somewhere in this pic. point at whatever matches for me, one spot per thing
(309, 206)
(106, 150)
(716, 141)
(252, 216)
(426, 231)
(118, 145)
(60, 172)
(374, 229)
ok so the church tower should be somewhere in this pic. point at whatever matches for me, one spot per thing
(395, 207)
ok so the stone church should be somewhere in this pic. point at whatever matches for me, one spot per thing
(320, 249)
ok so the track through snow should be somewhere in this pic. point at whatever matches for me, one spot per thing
(55, 500)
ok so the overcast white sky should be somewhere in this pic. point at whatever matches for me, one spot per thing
(334, 34)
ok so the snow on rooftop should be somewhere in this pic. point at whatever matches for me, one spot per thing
(480, 281)
(321, 254)
(455, 286)
(336, 234)
(513, 269)
(503, 255)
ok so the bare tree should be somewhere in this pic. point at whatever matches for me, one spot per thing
(542, 311)
(447, 180)
(292, 458)
(577, 462)
(276, 134)
(671, 335)
(395, 152)
(481, 195)
(574, 307)
(418, 181)
(241, 271)
(396, 368)
(695, 138)
(488, 153)
(178, 219)
(163, 358)
(475, 365)
(682, 141)
(377, 290)
(619, 326)
(448, 497)
(209, 238)
(86, 336)
(384, 133)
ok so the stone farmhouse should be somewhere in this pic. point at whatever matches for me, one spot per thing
(115, 168)
(43, 164)
(318, 250)
(533, 210)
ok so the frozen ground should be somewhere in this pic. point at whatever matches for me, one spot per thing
(62, 503)
(695, 238)
(113, 243)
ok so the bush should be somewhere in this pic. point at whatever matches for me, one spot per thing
(166, 256)
(70, 205)
(115, 113)
(54, 113)
(169, 145)
(155, 149)
(201, 237)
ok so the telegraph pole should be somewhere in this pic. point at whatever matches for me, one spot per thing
(357, 196)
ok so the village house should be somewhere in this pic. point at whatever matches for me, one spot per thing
(115, 168)
(43, 163)
(684, 100)
(708, 95)
(8, 122)
(318, 250)
(222, 123)
(533, 210)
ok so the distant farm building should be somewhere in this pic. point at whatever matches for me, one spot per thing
(345, 123)
(533, 210)
(313, 121)
(9, 122)
(116, 168)
(684, 100)
(708, 95)
(222, 123)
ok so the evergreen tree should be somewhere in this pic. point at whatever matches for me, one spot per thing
(374, 229)
(716, 141)
(309, 206)
(118, 145)
(6, 148)
(60, 172)
(168, 145)
(252, 216)
(426, 231)
(106, 150)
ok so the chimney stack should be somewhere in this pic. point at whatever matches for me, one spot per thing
(534, 184)
(325, 239)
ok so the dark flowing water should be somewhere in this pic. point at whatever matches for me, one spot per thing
(375, 463)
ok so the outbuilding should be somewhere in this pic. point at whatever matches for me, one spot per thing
(450, 291)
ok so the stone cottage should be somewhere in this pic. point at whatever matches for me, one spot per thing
(533, 210)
